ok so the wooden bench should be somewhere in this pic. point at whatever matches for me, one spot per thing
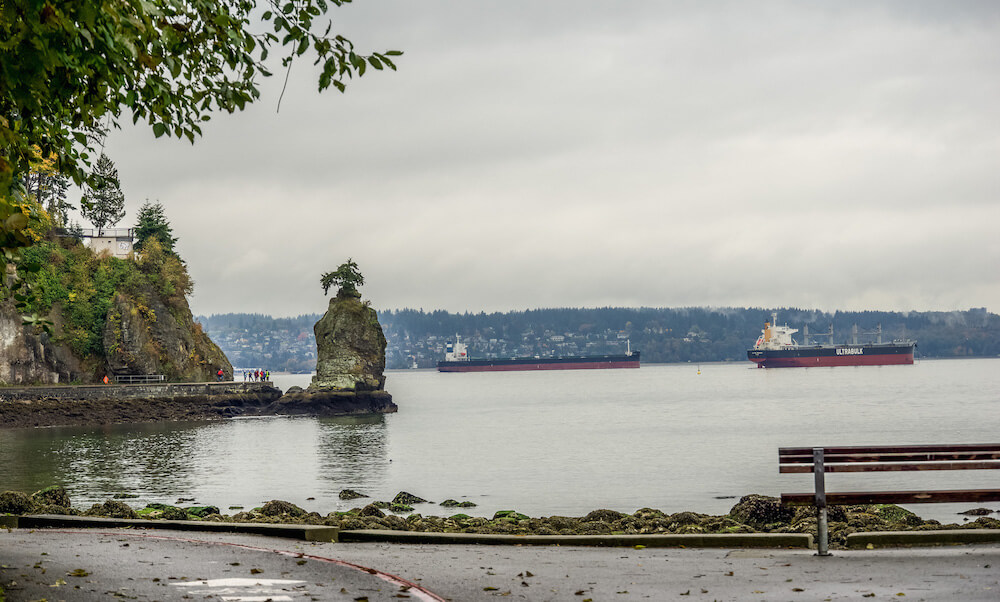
(821, 460)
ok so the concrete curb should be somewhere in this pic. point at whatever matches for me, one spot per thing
(332, 534)
(303, 532)
(725, 540)
(942, 537)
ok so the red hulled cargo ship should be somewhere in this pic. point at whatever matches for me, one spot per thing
(775, 348)
(456, 359)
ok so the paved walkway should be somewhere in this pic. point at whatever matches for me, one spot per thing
(166, 565)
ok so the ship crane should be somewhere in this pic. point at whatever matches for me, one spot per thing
(806, 335)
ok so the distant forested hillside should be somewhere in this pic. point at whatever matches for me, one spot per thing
(417, 338)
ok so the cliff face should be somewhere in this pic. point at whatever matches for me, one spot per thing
(144, 336)
(350, 346)
(110, 317)
(27, 356)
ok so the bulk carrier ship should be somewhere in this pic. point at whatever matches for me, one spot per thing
(775, 348)
(456, 359)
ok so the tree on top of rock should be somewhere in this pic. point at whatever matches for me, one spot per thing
(347, 277)
(104, 203)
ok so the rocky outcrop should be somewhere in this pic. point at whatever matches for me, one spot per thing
(109, 316)
(333, 402)
(144, 336)
(31, 356)
(349, 366)
(350, 346)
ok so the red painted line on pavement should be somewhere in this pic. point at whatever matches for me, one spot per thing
(415, 589)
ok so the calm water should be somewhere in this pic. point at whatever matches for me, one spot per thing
(673, 437)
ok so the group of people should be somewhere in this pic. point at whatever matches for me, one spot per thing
(257, 375)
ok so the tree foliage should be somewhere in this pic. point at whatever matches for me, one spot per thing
(104, 203)
(69, 66)
(347, 277)
(71, 70)
(151, 224)
(48, 188)
(79, 286)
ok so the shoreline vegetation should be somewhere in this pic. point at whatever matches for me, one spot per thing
(751, 514)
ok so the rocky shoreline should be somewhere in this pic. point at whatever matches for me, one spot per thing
(752, 514)
(45, 410)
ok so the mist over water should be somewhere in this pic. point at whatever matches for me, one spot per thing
(673, 437)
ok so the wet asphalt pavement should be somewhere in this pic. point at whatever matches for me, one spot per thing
(165, 565)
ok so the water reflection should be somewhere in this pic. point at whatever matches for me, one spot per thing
(240, 462)
(352, 453)
(96, 463)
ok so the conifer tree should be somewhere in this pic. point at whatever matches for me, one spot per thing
(104, 203)
(152, 223)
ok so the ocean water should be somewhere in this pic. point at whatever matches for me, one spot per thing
(672, 437)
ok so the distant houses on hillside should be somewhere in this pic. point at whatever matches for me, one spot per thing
(417, 339)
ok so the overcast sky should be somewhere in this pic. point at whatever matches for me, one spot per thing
(837, 155)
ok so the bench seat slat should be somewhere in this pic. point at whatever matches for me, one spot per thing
(894, 497)
(893, 467)
(888, 449)
(894, 457)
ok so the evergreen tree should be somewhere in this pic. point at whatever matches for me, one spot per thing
(347, 277)
(48, 187)
(104, 203)
(152, 223)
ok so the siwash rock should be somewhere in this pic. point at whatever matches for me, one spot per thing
(350, 346)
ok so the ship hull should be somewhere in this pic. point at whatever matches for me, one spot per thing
(837, 355)
(533, 363)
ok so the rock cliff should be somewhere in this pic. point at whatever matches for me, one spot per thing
(349, 367)
(110, 316)
(27, 356)
(144, 336)
(350, 346)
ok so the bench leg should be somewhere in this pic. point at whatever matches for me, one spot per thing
(822, 540)
(822, 535)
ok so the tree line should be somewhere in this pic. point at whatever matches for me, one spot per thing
(692, 334)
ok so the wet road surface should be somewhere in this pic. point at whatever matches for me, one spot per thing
(131, 564)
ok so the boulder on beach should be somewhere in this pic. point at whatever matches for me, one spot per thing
(55, 495)
(112, 509)
(408, 498)
(279, 508)
(15, 502)
(350, 494)
(761, 512)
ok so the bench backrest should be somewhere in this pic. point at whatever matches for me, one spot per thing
(964, 456)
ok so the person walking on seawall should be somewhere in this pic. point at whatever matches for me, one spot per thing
(219, 374)
(107, 381)
(267, 375)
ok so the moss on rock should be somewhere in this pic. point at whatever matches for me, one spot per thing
(16, 502)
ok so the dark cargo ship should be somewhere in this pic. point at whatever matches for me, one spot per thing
(456, 359)
(775, 348)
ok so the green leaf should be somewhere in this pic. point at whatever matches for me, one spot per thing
(159, 129)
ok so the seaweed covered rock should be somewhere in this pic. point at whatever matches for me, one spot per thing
(15, 502)
(55, 495)
(450, 503)
(408, 498)
(162, 511)
(349, 494)
(761, 512)
(281, 508)
(371, 510)
(112, 509)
